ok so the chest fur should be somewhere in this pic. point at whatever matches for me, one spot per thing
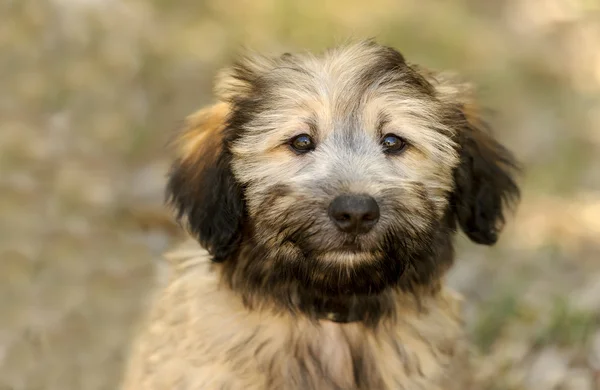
(200, 336)
(335, 356)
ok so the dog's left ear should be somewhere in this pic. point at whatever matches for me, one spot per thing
(484, 179)
(201, 188)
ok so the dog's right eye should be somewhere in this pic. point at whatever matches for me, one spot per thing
(392, 144)
(302, 143)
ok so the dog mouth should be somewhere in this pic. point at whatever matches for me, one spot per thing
(351, 249)
(322, 245)
(347, 247)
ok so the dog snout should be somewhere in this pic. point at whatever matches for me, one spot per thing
(354, 213)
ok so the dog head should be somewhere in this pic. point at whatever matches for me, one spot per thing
(340, 172)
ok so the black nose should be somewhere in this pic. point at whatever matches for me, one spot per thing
(354, 213)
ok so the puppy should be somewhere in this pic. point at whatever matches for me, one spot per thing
(324, 193)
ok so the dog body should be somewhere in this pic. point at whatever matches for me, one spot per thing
(201, 336)
(324, 193)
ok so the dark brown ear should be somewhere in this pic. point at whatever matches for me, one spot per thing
(484, 179)
(201, 188)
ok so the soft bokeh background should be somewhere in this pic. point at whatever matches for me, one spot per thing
(90, 91)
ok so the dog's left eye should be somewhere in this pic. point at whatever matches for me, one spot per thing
(393, 144)
(302, 143)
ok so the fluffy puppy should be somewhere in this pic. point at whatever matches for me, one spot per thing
(324, 193)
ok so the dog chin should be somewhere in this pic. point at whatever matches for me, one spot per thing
(346, 256)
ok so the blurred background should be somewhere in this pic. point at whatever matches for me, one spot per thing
(92, 89)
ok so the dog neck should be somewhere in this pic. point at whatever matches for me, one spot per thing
(368, 309)
(365, 309)
(294, 299)
(340, 311)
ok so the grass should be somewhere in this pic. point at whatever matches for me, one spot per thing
(494, 317)
(567, 326)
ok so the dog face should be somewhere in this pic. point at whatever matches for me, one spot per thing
(338, 172)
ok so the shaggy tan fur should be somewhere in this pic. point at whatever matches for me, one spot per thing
(200, 336)
(267, 293)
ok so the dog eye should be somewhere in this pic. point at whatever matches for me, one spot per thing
(393, 144)
(302, 143)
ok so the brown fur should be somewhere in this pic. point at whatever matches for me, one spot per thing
(200, 336)
(272, 298)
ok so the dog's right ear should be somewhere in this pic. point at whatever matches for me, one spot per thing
(246, 74)
(207, 200)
